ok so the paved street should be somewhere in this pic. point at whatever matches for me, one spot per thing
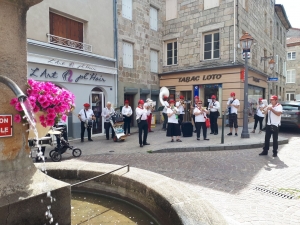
(225, 178)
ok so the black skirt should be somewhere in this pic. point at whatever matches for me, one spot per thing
(173, 130)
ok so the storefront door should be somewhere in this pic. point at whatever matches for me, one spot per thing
(188, 100)
(97, 100)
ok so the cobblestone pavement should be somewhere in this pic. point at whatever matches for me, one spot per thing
(225, 178)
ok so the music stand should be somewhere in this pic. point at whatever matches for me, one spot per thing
(161, 108)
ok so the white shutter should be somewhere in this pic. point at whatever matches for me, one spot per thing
(154, 61)
(171, 9)
(293, 77)
(153, 18)
(208, 4)
(127, 9)
(276, 65)
(284, 68)
(127, 55)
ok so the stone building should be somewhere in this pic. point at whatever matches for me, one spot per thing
(292, 67)
(202, 55)
(72, 44)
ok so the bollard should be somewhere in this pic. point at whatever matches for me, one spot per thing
(222, 135)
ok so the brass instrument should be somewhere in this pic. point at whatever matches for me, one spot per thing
(163, 92)
(175, 110)
(151, 104)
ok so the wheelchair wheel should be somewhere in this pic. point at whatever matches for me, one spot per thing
(76, 152)
(56, 157)
(51, 152)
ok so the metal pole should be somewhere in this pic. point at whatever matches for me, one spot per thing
(245, 132)
(222, 135)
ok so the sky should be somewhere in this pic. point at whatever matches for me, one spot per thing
(292, 9)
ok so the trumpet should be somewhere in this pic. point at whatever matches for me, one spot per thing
(265, 109)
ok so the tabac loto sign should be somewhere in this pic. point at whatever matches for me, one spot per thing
(5, 126)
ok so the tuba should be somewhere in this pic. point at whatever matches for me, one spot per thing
(151, 104)
(163, 92)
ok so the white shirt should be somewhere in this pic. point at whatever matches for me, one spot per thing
(215, 106)
(141, 113)
(173, 118)
(259, 112)
(107, 112)
(201, 117)
(233, 102)
(180, 107)
(89, 113)
(126, 111)
(166, 104)
(272, 118)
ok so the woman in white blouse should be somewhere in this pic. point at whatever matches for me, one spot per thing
(259, 116)
(127, 112)
(200, 118)
(173, 125)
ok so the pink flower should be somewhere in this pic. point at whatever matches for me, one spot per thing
(42, 119)
(42, 99)
(17, 118)
(32, 99)
(45, 104)
(18, 107)
(50, 110)
(50, 122)
(64, 118)
(36, 109)
(14, 101)
(44, 124)
(51, 116)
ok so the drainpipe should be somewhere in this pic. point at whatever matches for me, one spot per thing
(116, 48)
(234, 41)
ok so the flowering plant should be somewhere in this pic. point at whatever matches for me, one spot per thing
(55, 102)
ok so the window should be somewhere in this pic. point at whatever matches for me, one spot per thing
(153, 61)
(127, 55)
(271, 29)
(153, 18)
(208, 4)
(280, 35)
(266, 23)
(171, 9)
(171, 52)
(289, 97)
(127, 9)
(211, 46)
(291, 56)
(277, 26)
(290, 76)
(66, 28)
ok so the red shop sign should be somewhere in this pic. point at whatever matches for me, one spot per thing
(5, 126)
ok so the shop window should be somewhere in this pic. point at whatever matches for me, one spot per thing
(171, 53)
(171, 9)
(208, 4)
(291, 55)
(153, 18)
(290, 76)
(154, 61)
(127, 9)
(254, 93)
(211, 46)
(127, 55)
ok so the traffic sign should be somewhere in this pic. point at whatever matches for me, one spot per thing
(273, 79)
(5, 126)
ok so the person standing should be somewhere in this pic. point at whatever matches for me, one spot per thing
(259, 116)
(180, 106)
(127, 112)
(200, 118)
(141, 117)
(84, 116)
(107, 112)
(214, 107)
(164, 112)
(173, 129)
(193, 106)
(274, 112)
(149, 117)
(233, 105)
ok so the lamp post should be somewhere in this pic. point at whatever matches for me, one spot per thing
(246, 42)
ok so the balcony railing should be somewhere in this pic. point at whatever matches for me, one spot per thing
(69, 43)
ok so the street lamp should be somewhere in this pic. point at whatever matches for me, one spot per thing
(246, 42)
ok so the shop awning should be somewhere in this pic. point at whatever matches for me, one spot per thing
(144, 91)
(155, 92)
(128, 90)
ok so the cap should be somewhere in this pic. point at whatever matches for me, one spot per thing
(86, 105)
(274, 97)
(232, 94)
(260, 99)
(213, 97)
(141, 101)
(126, 102)
(181, 97)
(171, 101)
(165, 97)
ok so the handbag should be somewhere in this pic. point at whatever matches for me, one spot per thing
(88, 123)
(207, 123)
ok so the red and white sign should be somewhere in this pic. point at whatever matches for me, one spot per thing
(5, 126)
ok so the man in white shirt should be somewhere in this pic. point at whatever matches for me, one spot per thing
(164, 112)
(85, 115)
(214, 107)
(180, 106)
(141, 117)
(233, 105)
(107, 112)
(127, 112)
(274, 112)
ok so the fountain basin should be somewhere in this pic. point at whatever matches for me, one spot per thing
(169, 201)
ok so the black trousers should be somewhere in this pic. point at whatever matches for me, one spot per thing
(200, 125)
(89, 129)
(213, 116)
(127, 121)
(180, 119)
(256, 120)
(108, 125)
(165, 120)
(64, 134)
(194, 120)
(143, 126)
(267, 139)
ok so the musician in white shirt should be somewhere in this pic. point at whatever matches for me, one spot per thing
(214, 107)
(200, 120)
(85, 115)
(192, 107)
(127, 112)
(233, 105)
(274, 112)
(107, 112)
(164, 112)
(259, 116)
(173, 129)
(141, 117)
(180, 106)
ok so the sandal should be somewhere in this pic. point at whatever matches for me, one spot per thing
(172, 140)
(178, 140)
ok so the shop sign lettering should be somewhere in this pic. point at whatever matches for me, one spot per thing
(5, 126)
(68, 76)
(197, 78)
(71, 64)
(255, 79)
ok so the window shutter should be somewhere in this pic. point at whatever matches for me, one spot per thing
(154, 61)
(127, 9)
(208, 4)
(293, 78)
(284, 68)
(171, 9)
(127, 55)
(153, 18)
(276, 66)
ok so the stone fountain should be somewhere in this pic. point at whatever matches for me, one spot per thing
(25, 192)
